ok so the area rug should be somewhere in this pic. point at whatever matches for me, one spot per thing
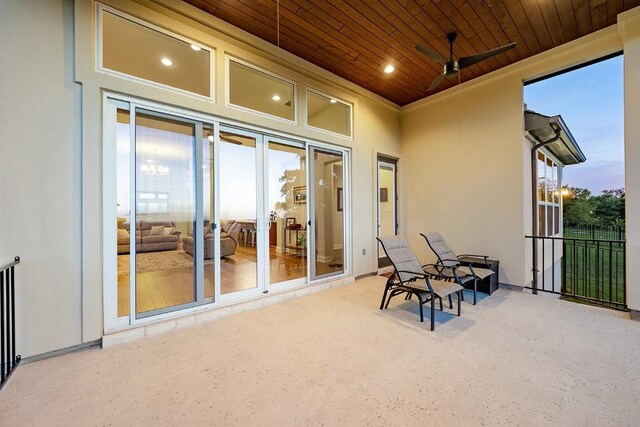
(156, 261)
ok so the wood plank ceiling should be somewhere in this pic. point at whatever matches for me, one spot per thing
(356, 39)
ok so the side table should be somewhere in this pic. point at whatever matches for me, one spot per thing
(491, 283)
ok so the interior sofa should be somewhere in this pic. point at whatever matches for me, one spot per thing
(151, 236)
(229, 239)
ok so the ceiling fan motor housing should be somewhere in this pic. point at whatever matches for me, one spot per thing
(451, 68)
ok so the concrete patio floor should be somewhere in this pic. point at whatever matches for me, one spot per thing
(332, 358)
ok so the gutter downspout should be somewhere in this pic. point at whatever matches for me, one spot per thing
(534, 203)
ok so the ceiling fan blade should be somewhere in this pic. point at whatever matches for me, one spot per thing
(431, 54)
(436, 82)
(470, 60)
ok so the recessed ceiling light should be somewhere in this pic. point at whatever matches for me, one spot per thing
(333, 101)
(166, 61)
(389, 69)
(276, 97)
(196, 48)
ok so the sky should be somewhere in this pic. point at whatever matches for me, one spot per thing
(590, 100)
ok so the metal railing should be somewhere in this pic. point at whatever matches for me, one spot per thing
(590, 270)
(8, 359)
(600, 232)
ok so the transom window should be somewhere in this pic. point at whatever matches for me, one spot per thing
(328, 113)
(260, 91)
(138, 50)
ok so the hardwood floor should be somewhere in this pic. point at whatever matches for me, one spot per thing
(176, 286)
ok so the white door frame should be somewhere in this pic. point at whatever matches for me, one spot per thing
(392, 197)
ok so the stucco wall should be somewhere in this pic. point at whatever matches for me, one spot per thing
(463, 175)
(630, 31)
(40, 183)
(467, 166)
(463, 168)
(51, 133)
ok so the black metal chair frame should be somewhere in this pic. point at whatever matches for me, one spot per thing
(397, 286)
(441, 262)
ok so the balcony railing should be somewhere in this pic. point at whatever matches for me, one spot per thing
(590, 270)
(600, 232)
(8, 359)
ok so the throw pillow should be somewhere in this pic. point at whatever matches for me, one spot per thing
(207, 230)
(156, 230)
(122, 233)
(168, 230)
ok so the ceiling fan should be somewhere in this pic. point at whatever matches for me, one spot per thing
(453, 67)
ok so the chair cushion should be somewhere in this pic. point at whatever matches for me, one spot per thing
(441, 249)
(442, 288)
(225, 224)
(400, 254)
(480, 272)
(157, 230)
(169, 230)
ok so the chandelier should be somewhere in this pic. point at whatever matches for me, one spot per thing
(152, 168)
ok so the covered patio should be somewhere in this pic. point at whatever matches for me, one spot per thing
(333, 358)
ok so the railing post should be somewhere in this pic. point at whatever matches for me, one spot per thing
(563, 284)
(2, 339)
(8, 358)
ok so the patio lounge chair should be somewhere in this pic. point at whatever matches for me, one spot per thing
(465, 272)
(410, 278)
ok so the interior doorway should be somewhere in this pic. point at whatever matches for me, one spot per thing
(387, 202)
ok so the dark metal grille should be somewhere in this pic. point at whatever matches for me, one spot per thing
(591, 270)
(8, 359)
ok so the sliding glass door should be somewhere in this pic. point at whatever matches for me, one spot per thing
(164, 163)
(241, 216)
(286, 211)
(327, 175)
(199, 213)
(164, 198)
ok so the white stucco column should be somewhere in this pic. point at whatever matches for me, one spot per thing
(629, 28)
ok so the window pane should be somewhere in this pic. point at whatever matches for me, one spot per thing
(556, 220)
(328, 114)
(238, 212)
(165, 165)
(123, 150)
(550, 231)
(548, 182)
(541, 220)
(329, 212)
(540, 177)
(556, 188)
(259, 91)
(288, 212)
(136, 50)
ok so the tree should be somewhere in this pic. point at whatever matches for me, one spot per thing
(609, 207)
(582, 209)
(577, 207)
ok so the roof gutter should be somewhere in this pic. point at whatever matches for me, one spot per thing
(534, 201)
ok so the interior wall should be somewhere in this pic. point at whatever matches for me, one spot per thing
(40, 185)
(467, 163)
